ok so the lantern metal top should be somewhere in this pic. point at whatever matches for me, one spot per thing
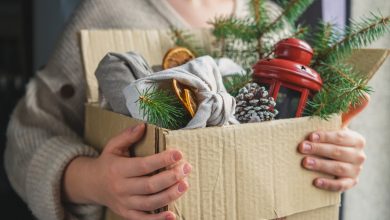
(289, 72)
(290, 65)
(295, 50)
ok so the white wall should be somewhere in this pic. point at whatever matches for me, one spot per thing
(370, 199)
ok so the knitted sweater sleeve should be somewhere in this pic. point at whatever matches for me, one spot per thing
(40, 145)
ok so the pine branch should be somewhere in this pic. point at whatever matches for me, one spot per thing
(339, 73)
(292, 10)
(232, 27)
(300, 32)
(163, 109)
(185, 39)
(325, 35)
(235, 82)
(360, 34)
(342, 88)
(259, 12)
(256, 9)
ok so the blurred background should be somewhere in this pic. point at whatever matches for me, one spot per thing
(29, 30)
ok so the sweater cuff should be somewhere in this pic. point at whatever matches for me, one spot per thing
(44, 178)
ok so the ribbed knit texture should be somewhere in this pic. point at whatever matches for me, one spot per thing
(46, 128)
(45, 131)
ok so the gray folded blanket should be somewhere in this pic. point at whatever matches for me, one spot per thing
(122, 75)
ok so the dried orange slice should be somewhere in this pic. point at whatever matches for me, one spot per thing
(176, 57)
(186, 97)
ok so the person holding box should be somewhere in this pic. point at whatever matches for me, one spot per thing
(59, 177)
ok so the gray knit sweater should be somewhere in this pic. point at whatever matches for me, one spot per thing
(45, 131)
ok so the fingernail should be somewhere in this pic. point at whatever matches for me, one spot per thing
(306, 147)
(170, 216)
(315, 137)
(319, 183)
(176, 156)
(187, 168)
(136, 128)
(182, 187)
(310, 162)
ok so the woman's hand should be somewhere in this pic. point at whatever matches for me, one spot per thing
(338, 153)
(120, 183)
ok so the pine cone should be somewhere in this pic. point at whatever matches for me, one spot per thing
(254, 104)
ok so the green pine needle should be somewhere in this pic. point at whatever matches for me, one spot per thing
(325, 35)
(162, 108)
(342, 88)
(232, 27)
(259, 13)
(244, 40)
(358, 35)
(292, 10)
(235, 82)
(185, 39)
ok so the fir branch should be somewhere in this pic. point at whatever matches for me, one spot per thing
(292, 10)
(259, 12)
(235, 82)
(326, 34)
(339, 72)
(300, 32)
(342, 88)
(255, 7)
(358, 35)
(161, 108)
(186, 39)
(232, 27)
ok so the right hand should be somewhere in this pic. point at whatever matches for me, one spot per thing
(124, 186)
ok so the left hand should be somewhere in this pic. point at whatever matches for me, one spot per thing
(338, 153)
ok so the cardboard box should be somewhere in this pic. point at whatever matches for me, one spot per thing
(249, 171)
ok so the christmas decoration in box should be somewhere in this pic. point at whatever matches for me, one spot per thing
(212, 150)
(251, 41)
(299, 85)
(243, 42)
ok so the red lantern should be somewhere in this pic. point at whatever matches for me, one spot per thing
(288, 78)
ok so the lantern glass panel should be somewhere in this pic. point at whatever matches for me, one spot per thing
(287, 102)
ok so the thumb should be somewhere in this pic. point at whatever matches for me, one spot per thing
(355, 110)
(121, 143)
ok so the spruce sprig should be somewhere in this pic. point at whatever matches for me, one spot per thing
(245, 40)
(259, 13)
(162, 108)
(235, 82)
(342, 88)
(185, 39)
(358, 35)
(326, 34)
(232, 27)
(292, 10)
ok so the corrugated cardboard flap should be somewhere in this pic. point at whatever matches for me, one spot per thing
(250, 170)
(101, 125)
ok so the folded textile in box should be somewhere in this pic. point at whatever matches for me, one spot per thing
(116, 74)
